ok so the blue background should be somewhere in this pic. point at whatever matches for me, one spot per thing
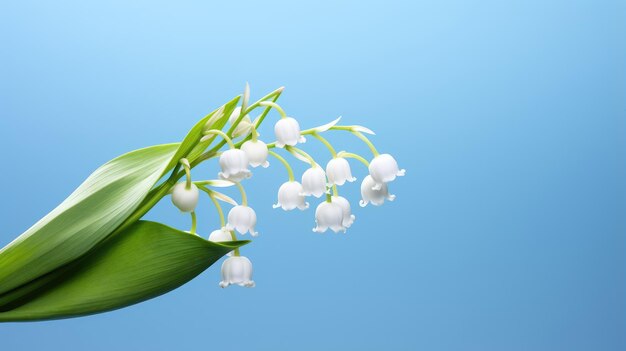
(508, 232)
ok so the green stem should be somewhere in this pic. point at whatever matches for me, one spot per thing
(244, 198)
(223, 135)
(218, 207)
(187, 167)
(355, 156)
(220, 212)
(276, 107)
(328, 198)
(254, 134)
(234, 237)
(194, 222)
(285, 163)
(366, 141)
(335, 191)
(326, 143)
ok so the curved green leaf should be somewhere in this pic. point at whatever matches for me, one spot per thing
(86, 217)
(146, 260)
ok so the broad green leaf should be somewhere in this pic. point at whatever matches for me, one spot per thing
(146, 260)
(86, 217)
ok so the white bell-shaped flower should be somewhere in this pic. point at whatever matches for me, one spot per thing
(338, 171)
(348, 217)
(290, 196)
(384, 169)
(287, 132)
(221, 235)
(329, 215)
(237, 270)
(234, 163)
(375, 196)
(185, 199)
(257, 153)
(314, 182)
(243, 219)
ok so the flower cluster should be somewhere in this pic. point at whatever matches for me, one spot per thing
(334, 212)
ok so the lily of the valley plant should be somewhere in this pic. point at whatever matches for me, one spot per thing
(94, 253)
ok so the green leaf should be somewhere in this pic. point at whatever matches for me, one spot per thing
(146, 260)
(86, 217)
(191, 147)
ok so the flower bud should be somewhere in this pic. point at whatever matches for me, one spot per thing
(237, 270)
(290, 197)
(375, 196)
(348, 217)
(314, 182)
(287, 132)
(243, 219)
(329, 215)
(257, 153)
(338, 171)
(185, 199)
(221, 235)
(384, 169)
(234, 163)
(234, 115)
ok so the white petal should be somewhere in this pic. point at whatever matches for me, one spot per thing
(363, 130)
(326, 126)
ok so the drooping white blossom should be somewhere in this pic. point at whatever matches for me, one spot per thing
(287, 132)
(234, 164)
(375, 196)
(257, 153)
(185, 199)
(314, 182)
(329, 215)
(290, 197)
(338, 171)
(221, 235)
(384, 169)
(348, 217)
(243, 219)
(237, 270)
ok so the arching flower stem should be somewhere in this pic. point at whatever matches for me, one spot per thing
(185, 163)
(330, 148)
(354, 156)
(254, 135)
(220, 133)
(366, 141)
(244, 198)
(220, 212)
(276, 107)
(285, 163)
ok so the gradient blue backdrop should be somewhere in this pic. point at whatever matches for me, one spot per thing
(508, 232)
